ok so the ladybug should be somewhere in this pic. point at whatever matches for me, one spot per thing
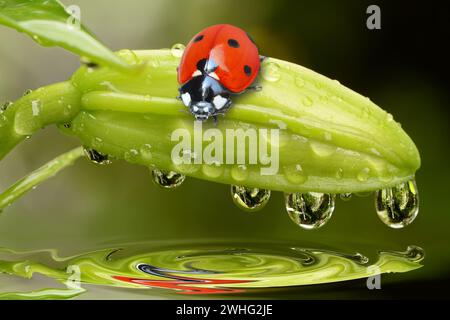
(218, 62)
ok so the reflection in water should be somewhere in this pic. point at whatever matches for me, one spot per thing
(199, 269)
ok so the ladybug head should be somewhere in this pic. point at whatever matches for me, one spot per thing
(205, 97)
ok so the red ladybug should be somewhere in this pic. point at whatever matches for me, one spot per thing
(219, 61)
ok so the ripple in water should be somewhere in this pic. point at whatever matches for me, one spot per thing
(199, 269)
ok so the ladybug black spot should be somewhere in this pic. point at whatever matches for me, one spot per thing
(233, 43)
(198, 38)
(247, 70)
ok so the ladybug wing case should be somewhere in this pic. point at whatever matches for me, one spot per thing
(231, 55)
(198, 48)
(237, 58)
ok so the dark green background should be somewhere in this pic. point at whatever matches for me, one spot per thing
(400, 67)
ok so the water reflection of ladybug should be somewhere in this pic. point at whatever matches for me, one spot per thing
(218, 62)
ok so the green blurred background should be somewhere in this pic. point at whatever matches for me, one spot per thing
(400, 67)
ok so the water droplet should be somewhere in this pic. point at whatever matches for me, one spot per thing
(97, 142)
(339, 173)
(299, 82)
(239, 172)
(36, 38)
(363, 175)
(36, 107)
(345, 196)
(213, 170)
(167, 179)
(271, 72)
(67, 109)
(189, 166)
(88, 63)
(3, 120)
(129, 56)
(177, 50)
(397, 207)
(295, 174)
(363, 194)
(27, 92)
(414, 253)
(389, 117)
(96, 157)
(146, 152)
(310, 210)
(5, 105)
(307, 101)
(324, 98)
(322, 149)
(131, 155)
(375, 151)
(250, 199)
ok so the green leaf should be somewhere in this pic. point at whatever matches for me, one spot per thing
(49, 24)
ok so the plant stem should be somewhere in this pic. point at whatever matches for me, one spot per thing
(36, 177)
(56, 103)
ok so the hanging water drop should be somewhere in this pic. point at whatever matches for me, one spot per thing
(167, 179)
(250, 199)
(397, 207)
(96, 157)
(310, 210)
(345, 196)
(177, 50)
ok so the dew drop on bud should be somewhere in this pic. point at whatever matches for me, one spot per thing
(271, 72)
(129, 56)
(5, 106)
(310, 210)
(250, 199)
(96, 157)
(397, 207)
(177, 50)
(167, 179)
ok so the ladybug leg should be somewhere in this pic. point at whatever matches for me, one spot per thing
(262, 58)
(215, 120)
(254, 88)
